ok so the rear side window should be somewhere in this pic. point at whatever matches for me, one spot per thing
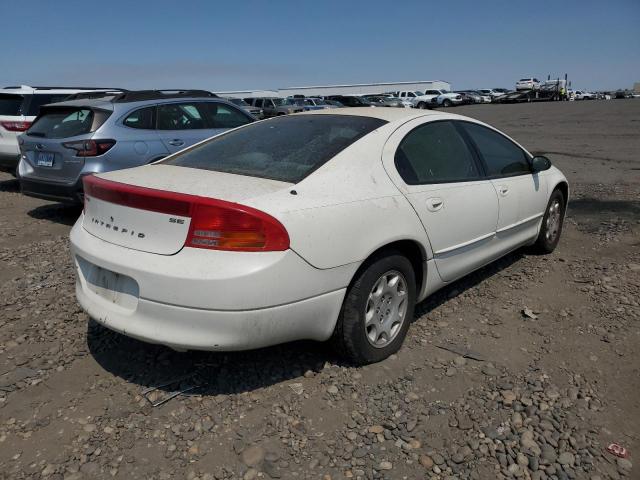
(39, 100)
(10, 104)
(179, 116)
(435, 153)
(218, 115)
(285, 148)
(62, 123)
(141, 118)
(501, 155)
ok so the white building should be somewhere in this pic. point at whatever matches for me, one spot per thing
(352, 89)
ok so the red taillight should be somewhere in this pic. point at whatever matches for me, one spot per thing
(230, 226)
(215, 224)
(16, 126)
(90, 148)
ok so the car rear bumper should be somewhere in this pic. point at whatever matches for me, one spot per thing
(206, 299)
(184, 328)
(64, 193)
(9, 161)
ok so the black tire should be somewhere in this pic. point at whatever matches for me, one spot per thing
(547, 240)
(446, 102)
(350, 335)
(422, 106)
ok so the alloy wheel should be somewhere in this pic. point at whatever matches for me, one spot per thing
(386, 308)
(553, 221)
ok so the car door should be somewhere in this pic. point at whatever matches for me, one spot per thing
(434, 166)
(522, 194)
(181, 125)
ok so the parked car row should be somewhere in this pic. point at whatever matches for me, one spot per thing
(74, 138)
(19, 106)
(184, 187)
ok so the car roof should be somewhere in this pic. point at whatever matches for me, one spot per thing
(26, 89)
(106, 103)
(382, 113)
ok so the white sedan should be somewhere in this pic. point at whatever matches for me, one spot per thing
(323, 225)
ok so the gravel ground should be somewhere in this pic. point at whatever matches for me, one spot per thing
(526, 369)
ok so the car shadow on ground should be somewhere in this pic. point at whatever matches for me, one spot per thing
(11, 185)
(57, 213)
(467, 282)
(216, 373)
(600, 217)
(597, 208)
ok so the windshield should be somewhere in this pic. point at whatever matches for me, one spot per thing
(284, 148)
(239, 101)
(10, 104)
(280, 102)
(419, 93)
(62, 123)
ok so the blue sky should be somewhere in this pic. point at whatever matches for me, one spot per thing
(221, 45)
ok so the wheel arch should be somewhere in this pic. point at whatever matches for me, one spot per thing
(411, 249)
(563, 186)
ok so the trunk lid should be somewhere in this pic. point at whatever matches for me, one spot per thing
(155, 216)
(50, 160)
(43, 144)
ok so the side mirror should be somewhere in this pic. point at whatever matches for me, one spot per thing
(540, 163)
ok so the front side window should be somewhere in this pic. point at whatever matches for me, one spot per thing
(435, 153)
(501, 156)
(222, 116)
(141, 118)
(285, 148)
(179, 116)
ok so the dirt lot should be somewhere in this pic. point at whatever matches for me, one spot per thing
(539, 395)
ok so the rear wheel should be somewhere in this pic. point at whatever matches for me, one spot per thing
(552, 221)
(377, 310)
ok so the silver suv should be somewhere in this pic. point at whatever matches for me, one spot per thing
(274, 106)
(91, 135)
(19, 106)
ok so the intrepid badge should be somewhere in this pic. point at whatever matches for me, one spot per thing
(116, 228)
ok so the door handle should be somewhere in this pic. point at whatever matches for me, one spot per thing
(503, 190)
(434, 204)
(176, 142)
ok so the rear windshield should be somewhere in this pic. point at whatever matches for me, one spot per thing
(286, 148)
(62, 123)
(10, 104)
(42, 99)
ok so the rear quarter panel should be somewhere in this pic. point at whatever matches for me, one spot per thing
(134, 147)
(346, 209)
